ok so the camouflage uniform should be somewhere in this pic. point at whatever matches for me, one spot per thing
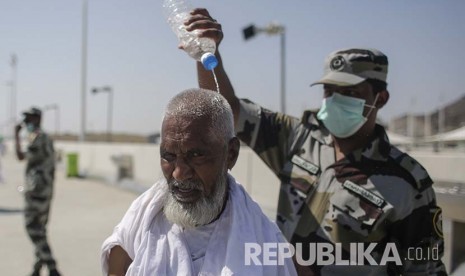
(377, 194)
(40, 171)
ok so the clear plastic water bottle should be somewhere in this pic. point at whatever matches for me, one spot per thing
(200, 48)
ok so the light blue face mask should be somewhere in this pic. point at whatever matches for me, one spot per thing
(343, 115)
(30, 127)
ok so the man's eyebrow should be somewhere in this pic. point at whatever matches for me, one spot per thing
(199, 150)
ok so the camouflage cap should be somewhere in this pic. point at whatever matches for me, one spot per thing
(33, 111)
(349, 67)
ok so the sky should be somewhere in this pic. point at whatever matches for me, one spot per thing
(132, 49)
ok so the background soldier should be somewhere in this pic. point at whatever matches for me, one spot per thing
(38, 190)
(342, 182)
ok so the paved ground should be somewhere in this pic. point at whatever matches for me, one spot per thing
(84, 213)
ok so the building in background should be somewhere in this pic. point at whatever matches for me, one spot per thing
(449, 117)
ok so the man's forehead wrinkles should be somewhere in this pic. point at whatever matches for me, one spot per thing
(184, 145)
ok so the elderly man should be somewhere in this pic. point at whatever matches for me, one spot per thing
(345, 191)
(198, 220)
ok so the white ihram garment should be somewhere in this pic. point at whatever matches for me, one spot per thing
(158, 247)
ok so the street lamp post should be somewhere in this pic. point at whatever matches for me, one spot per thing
(108, 90)
(273, 29)
(57, 116)
(10, 121)
(82, 134)
(13, 85)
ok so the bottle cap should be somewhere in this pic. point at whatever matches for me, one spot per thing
(209, 61)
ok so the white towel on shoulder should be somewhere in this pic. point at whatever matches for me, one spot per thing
(157, 247)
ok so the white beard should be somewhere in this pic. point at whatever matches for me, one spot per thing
(201, 212)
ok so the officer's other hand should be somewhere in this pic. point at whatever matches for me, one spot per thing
(204, 25)
(18, 128)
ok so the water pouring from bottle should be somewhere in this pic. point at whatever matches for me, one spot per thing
(201, 49)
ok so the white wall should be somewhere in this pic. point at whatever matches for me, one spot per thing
(443, 166)
(95, 160)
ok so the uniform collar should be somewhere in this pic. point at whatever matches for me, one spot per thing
(33, 135)
(318, 130)
(378, 149)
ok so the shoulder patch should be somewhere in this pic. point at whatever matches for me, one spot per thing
(437, 222)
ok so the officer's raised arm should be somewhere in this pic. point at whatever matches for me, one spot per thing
(206, 26)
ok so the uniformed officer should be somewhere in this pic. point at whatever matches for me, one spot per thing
(38, 189)
(344, 188)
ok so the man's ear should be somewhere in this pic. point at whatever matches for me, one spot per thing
(233, 151)
(383, 98)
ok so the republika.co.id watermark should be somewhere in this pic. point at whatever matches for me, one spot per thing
(332, 254)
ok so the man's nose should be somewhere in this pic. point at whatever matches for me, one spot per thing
(182, 171)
